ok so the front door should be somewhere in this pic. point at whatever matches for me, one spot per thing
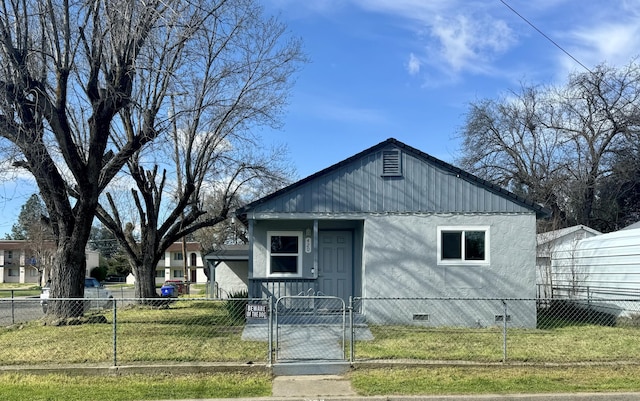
(335, 265)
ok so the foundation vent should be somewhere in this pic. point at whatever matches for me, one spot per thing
(500, 318)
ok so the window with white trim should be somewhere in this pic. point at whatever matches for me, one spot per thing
(284, 253)
(463, 245)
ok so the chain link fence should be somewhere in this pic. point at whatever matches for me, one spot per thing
(121, 331)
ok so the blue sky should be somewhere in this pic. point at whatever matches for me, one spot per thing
(408, 69)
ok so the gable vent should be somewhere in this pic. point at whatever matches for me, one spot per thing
(391, 163)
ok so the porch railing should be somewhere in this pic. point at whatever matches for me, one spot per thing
(281, 286)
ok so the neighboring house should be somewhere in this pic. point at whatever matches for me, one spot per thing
(230, 267)
(19, 263)
(557, 242)
(606, 266)
(174, 265)
(391, 222)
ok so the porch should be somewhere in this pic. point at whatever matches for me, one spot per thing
(277, 287)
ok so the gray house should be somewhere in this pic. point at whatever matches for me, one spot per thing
(394, 222)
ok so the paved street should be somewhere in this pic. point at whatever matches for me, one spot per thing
(20, 309)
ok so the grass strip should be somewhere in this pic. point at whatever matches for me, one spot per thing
(500, 380)
(60, 387)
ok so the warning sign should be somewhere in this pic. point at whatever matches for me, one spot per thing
(255, 311)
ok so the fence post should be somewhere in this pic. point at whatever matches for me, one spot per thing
(352, 331)
(115, 332)
(504, 332)
(270, 334)
(13, 312)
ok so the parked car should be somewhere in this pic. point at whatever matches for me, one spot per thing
(174, 288)
(114, 278)
(98, 296)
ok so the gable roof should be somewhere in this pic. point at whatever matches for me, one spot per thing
(230, 253)
(357, 184)
(549, 236)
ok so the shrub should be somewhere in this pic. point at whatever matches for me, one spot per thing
(99, 273)
(236, 305)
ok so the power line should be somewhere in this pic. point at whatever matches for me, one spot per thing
(545, 36)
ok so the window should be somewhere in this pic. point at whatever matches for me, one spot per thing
(285, 251)
(178, 273)
(160, 273)
(194, 260)
(9, 255)
(463, 245)
(14, 272)
(177, 256)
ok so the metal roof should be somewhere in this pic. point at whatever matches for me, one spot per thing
(229, 253)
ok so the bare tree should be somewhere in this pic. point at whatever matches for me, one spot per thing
(238, 78)
(506, 141)
(600, 116)
(556, 144)
(67, 70)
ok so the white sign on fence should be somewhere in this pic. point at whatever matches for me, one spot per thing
(256, 311)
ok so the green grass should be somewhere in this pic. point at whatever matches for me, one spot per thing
(19, 290)
(59, 387)
(187, 331)
(203, 331)
(579, 343)
(494, 380)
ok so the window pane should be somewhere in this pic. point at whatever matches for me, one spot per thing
(451, 245)
(284, 244)
(474, 245)
(284, 264)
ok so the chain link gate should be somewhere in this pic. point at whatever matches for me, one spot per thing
(310, 328)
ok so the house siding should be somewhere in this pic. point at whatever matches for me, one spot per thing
(425, 187)
(401, 258)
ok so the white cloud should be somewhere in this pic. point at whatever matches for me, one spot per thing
(469, 43)
(609, 42)
(456, 37)
(413, 66)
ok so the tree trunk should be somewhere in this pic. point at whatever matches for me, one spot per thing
(145, 275)
(67, 279)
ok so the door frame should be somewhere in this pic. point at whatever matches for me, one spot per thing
(352, 262)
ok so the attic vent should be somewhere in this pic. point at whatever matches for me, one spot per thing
(391, 163)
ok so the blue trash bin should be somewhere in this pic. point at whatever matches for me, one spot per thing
(167, 290)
